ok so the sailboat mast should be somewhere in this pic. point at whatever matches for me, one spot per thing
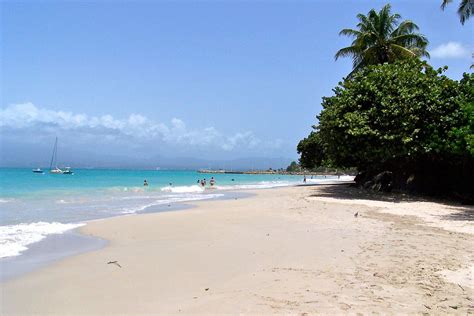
(54, 153)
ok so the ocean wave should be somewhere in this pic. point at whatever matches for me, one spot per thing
(183, 189)
(128, 189)
(5, 200)
(170, 200)
(15, 238)
(62, 201)
(331, 179)
(258, 185)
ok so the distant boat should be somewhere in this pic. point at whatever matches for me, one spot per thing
(68, 170)
(37, 170)
(54, 158)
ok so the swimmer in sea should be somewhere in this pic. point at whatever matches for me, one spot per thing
(145, 183)
(212, 181)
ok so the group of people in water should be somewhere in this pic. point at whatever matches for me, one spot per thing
(203, 182)
(212, 181)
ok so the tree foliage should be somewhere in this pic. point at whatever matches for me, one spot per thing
(465, 9)
(293, 167)
(401, 116)
(381, 37)
(406, 109)
(311, 151)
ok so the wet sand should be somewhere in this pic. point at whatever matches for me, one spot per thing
(283, 251)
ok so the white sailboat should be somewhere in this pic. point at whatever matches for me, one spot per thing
(54, 158)
(56, 170)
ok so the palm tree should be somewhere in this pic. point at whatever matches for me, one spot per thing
(380, 37)
(466, 8)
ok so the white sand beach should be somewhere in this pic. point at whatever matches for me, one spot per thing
(296, 250)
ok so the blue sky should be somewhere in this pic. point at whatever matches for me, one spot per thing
(215, 80)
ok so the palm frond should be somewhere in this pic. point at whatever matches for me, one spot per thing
(349, 51)
(392, 22)
(371, 55)
(403, 51)
(420, 52)
(387, 21)
(409, 40)
(465, 10)
(350, 32)
(381, 37)
(445, 3)
(406, 27)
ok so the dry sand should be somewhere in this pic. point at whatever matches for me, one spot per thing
(296, 250)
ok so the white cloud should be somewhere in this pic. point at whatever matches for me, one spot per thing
(136, 126)
(241, 139)
(450, 50)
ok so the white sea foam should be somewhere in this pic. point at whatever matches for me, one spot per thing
(331, 179)
(5, 200)
(171, 199)
(183, 189)
(259, 185)
(127, 189)
(15, 238)
(276, 184)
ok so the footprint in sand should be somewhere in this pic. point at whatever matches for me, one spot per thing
(344, 306)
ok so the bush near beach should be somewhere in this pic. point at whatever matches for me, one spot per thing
(403, 125)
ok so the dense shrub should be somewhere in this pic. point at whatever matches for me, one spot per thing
(404, 117)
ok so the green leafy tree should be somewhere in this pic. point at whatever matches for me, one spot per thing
(381, 37)
(465, 9)
(293, 167)
(464, 135)
(403, 117)
(406, 109)
(311, 151)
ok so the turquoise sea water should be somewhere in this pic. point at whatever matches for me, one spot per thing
(24, 183)
(33, 206)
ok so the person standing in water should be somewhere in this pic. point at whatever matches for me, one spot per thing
(212, 181)
(304, 179)
(145, 183)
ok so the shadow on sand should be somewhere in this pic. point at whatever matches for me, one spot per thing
(350, 192)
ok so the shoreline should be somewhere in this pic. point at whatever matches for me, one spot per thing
(284, 250)
(277, 172)
(47, 251)
(56, 247)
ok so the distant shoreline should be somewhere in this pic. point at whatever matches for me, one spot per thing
(275, 172)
